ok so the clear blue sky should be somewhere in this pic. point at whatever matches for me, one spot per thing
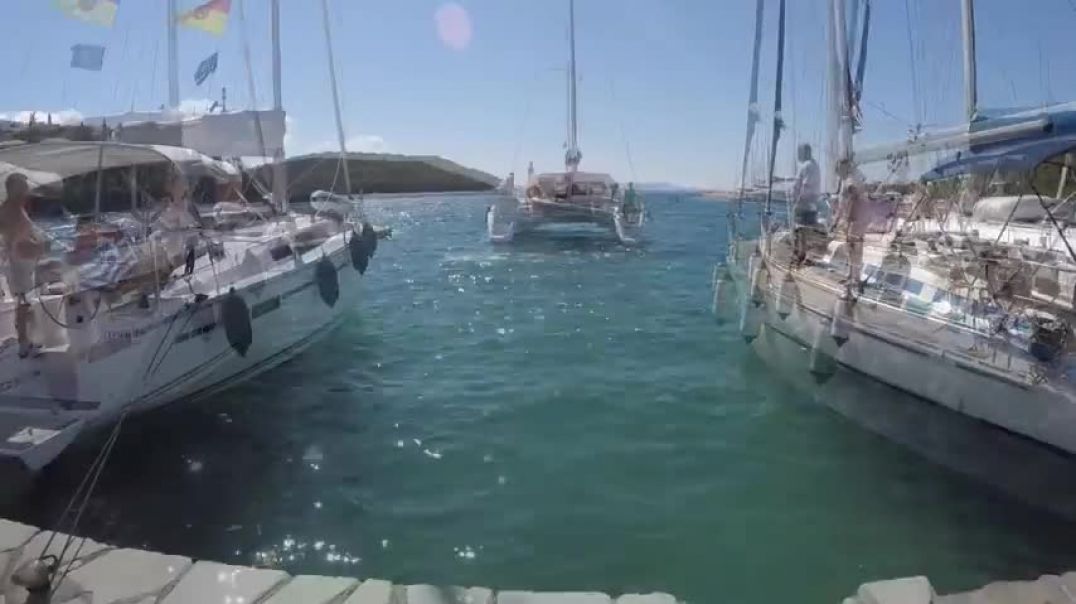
(666, 78)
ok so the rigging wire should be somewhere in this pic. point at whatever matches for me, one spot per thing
(618, 110)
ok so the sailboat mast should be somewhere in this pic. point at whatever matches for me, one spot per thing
(173, 56)
(752, 104)
(971, 86)
(777, 106)
(280, 174)
(336, 95)
(839, 132)
(574, 156)
(278, 94)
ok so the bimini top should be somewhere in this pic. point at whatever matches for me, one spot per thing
(1010, 144)
(48, 162)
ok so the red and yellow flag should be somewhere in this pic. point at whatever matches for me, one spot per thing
(211, 17)
(98, 12)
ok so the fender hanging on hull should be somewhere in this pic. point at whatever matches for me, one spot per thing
(237, 324)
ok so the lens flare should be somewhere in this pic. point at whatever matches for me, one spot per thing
(453, 26)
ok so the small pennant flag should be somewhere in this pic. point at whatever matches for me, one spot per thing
(98, 12)
(87, 56)
(211, 17)
(205, 69)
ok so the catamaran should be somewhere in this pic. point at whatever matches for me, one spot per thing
(957, 297)
(162, 279)
(570, 197)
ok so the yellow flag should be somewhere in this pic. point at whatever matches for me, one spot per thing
(211, 17)
(98, 12)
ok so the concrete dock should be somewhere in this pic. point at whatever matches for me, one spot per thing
(1047, 589)
(102, 574)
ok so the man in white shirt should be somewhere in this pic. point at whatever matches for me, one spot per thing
(807, 188)
(805, 193)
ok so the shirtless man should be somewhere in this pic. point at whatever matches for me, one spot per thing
(23, 244)
(852, 218)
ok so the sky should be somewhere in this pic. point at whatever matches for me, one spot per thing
(663, 90)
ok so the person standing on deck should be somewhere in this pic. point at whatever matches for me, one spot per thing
(805, 193)
(24, 245)
(852, 217)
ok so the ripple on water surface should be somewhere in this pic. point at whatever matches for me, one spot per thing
(561, 414)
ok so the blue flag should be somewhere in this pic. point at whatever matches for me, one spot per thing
(205, 69)
(87, 56)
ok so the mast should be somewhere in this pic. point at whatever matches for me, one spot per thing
(280, 174)
(839, 131)
(752, 105)
(278, 95)
(336, 95)
(173, 57)
(971, 86)
(777, 106)
(573, 156)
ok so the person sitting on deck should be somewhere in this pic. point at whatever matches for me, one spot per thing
(24, 244)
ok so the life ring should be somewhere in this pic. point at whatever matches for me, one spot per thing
(328, 281)
(237, 326)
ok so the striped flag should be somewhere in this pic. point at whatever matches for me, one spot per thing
(211, 17)
(87, 56)
(98, 12)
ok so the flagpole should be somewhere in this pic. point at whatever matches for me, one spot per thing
(173, 57)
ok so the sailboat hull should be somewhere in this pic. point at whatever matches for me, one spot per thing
(887, 344)
(180, 348)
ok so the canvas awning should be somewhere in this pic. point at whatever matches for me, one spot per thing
(63, 159)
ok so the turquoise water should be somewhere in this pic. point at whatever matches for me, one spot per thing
(560, 414)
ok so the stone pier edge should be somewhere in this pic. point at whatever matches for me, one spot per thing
(104, 574)
(1047, 589)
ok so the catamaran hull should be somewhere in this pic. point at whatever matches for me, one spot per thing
(870, 341)
(511, 217)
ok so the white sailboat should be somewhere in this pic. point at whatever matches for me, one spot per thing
(975, 319)
(128, 310)
(570, 197)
